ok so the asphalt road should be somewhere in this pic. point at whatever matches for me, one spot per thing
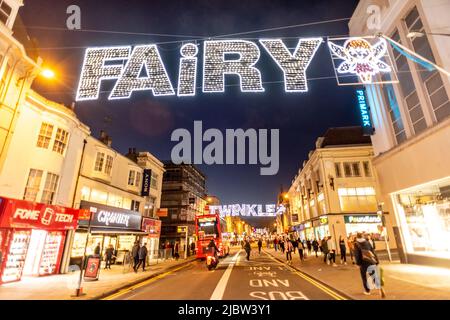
(261, 278)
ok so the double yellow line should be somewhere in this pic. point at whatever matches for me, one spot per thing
(143, 283)
(325, 289)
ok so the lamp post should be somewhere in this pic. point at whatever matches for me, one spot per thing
(79, 290)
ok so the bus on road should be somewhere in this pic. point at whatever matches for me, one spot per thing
(211, 226)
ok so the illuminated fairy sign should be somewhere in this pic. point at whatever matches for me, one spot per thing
(142, 69)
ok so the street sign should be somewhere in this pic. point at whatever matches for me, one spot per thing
(182, 229)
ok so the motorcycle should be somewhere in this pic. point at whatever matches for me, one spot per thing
(211, 259)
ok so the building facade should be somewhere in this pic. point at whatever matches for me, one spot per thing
(335, 192)
(412, 127)
(183, 197)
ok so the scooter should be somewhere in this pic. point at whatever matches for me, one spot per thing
(211, 259)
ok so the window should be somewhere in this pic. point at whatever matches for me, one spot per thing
(356, 169)
(60, 141)
(337, 169)
(432, 79)
(45, 135)
(4, 77)
(138, 179)
(33, 185)
(135, 205)
(347, 169)
(99, 161)
(367, 171)
(352, 169)
(408, 89)
(5, 11)
(51, 184)
(154, 181)
(357, 199)
(132, 178)
(108, 165)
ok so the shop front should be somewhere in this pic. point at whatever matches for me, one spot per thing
(32, 237)
(364, 223)
(309, 231)
(424, 218)
(109, 226)
(152, 229)
(321, 228)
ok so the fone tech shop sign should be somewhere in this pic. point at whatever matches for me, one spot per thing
(142, 68)
(107, 217)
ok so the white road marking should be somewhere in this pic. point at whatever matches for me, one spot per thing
(222, 284)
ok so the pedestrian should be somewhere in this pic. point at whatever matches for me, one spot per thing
(300, 249)
(275, 244)
(371, 241)
(289, 247)
(142, 257)
(324, 248)
(282, 247)
(109, 253)
(247, 249)
(343, 250)
(351, 247)
(267, 243)
(193, 247)
(365, 257)
(176, 250)
(332, 251)
(309, 246)
(295, 244)
(172, 248)
(97, 249)
(315, 246)
(135, 254)
(259, 245)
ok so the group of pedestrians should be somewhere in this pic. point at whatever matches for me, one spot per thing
(172, 249)
(139, 254)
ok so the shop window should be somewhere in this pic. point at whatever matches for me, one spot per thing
(357, 199)
(33, 185)
(5, 12)
(109, 165)
(85, 193)
(51, 184)
(100, 159)
(62, 136)
(337, 169)
(45, 135)
(367, 171)
(131, 178)
(99, 196)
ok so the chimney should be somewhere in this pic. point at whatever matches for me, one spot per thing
(132, 154)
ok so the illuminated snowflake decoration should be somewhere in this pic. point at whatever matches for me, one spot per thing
(361, 58)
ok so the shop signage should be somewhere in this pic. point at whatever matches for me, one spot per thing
(307, 225)
(146, 180)
(362, 219)
(364, 110)
(111, 217)
(323, 220)
(92, 268)
(152, 227)
(182, 229)
(248, 210)
(163, 212)
(25, 214)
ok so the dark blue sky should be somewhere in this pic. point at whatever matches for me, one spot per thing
(146, 122)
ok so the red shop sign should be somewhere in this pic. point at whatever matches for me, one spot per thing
(26, 214)
(152, 227)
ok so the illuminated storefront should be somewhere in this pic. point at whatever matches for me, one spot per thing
(309, 231)
(152, 229)
(321, 228)
(424, 216)
(368, 223)
(109, 226)
(32, 238)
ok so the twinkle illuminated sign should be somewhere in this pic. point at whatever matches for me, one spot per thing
(248, 210)
(142, 69)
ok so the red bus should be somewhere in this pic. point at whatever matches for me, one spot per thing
(211, 226)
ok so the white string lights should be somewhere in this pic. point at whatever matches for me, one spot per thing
(294, 66)
(187, 74)
(216, 66)
(145, 57)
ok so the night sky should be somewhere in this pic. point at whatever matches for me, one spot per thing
(146, 122)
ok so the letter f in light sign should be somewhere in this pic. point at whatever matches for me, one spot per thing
(293, 65)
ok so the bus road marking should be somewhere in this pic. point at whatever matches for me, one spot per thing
(221, 286)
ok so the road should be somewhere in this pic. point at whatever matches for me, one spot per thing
(261, 278)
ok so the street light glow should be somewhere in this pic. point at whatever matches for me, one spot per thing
(47, 73)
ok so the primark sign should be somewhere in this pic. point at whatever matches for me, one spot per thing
(141, 68)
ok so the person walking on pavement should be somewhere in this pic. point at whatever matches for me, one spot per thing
(282, 246)
(295, 244)
(324, 246)
(109, 253)
(309, 246)
(142, 257)
(97, 249)
(259, 245)
(176, 250)
(315, 246)
(365, 258)
(193, 247)
(248, 249)
(275, 244)
(300, 249)
(343, 250)
(351, 247)
(332, 249)
(135, 255)
(289, 247)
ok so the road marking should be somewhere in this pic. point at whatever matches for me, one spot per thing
(312, 281)
(144, 283)
(222, 284)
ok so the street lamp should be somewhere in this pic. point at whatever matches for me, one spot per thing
(419, 34)
(47, 73)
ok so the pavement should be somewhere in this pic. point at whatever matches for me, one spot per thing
(402, 281)
(62, 286)
(235, 278)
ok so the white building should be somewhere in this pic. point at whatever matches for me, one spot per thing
(412, 127)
